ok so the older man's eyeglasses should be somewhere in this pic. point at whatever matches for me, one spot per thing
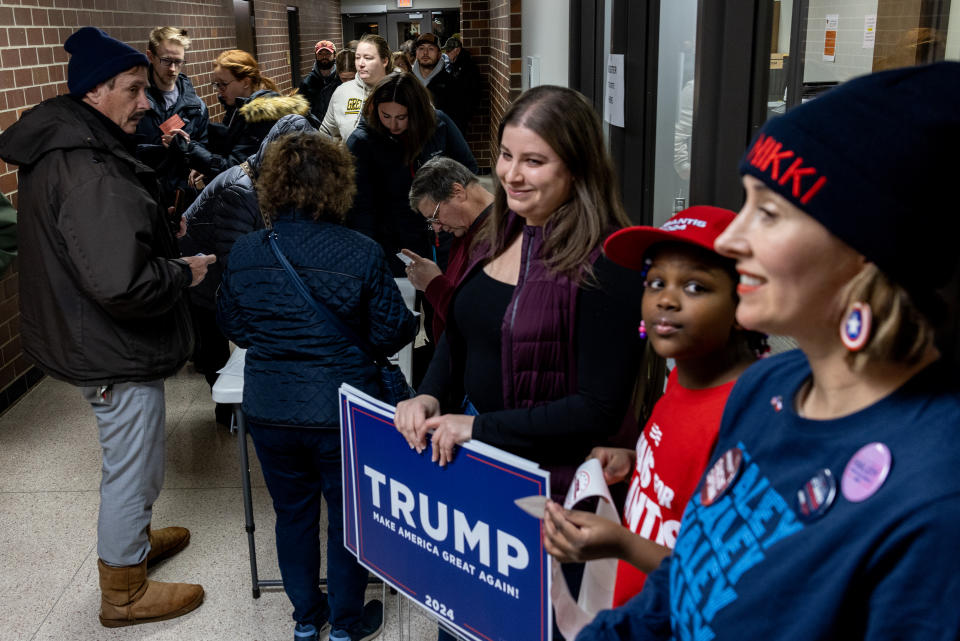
(172, 62)
(433, 220)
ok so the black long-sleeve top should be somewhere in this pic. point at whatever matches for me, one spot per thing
(562, 431)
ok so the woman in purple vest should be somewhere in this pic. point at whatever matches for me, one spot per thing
(541, 350)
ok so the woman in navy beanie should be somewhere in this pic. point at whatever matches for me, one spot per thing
(832, 505)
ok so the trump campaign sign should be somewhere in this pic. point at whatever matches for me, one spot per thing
(450, 539)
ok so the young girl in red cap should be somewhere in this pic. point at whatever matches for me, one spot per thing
(689, 301)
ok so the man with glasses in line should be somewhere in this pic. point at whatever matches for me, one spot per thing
(451, 199)
(175, 109)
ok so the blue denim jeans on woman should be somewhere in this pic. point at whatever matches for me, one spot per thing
(300, 464)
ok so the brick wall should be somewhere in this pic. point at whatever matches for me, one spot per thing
(33, 67)
(491, 31)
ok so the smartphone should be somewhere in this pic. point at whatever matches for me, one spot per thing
(406, 259)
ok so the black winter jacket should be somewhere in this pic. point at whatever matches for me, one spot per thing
(318, 89)
(381, 209)
(101, 291)
(444, 94)
(296, 360)
(244, 126)
(171, 167)
(467, 91)
(226, 210)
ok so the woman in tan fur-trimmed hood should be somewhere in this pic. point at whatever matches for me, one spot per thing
(252, 105)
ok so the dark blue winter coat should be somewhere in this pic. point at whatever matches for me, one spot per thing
(297, 360)
(226, 210)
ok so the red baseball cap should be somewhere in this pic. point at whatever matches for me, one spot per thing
(698, 225)
(325, 44)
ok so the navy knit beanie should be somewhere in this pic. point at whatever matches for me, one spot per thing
(873, 161)
(96, 57)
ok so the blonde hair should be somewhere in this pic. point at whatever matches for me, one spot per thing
(163, 34)
(242, 65)
(383, 50)
(900, 333)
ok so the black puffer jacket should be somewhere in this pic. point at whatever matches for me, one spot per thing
(296, 360)
(244, 126)
(226, 210)
(101, 292)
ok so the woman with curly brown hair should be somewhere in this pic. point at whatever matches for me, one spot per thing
(297, 359)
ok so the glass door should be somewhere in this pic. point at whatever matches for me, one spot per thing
(675, 91)
(355, 26)
(406, 26)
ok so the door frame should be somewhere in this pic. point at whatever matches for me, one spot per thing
(394, 17)
(347, 20)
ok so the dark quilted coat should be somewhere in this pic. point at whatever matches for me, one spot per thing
(226, 210)
(296, 361)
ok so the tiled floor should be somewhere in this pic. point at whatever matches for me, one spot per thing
(49, 479)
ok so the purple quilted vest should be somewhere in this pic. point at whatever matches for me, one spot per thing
(537, 333)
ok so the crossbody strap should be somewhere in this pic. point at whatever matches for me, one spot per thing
(248, 170)
(317, 306)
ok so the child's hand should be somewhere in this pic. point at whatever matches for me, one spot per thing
(573, 536)
(617, 462)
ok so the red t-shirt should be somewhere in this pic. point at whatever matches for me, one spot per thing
(672, 453)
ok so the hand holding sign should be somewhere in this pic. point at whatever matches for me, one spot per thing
(410, 417)
(449, 431)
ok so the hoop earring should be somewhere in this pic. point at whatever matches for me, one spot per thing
(856, 326)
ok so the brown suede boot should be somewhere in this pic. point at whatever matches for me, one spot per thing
(166, 542)
(128, 597)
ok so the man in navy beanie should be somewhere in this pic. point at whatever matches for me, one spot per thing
(107, 309)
